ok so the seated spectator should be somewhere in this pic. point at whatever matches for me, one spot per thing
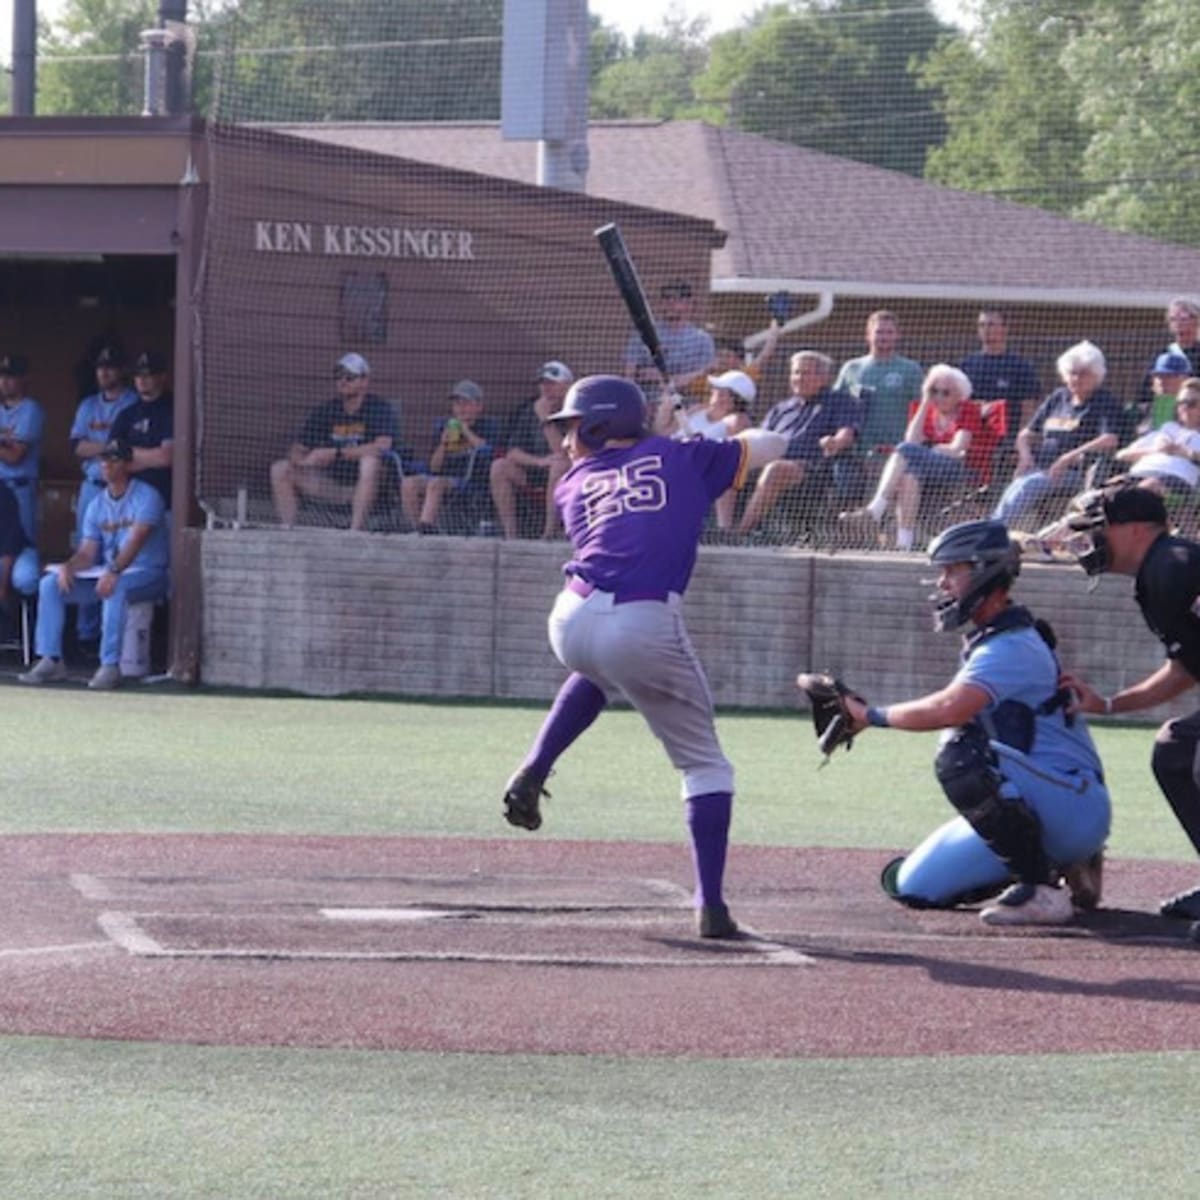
(91, 430)
(1166, 459)
(884, 381)
(1167, 377)
(459, 464)
(125, 530)
(725, 414)
(821, 426)
(688, 351)
(533, 452)
(342, 451)
(18, 564)
(935, 452)
(1072, 426)
(149, 425)
(733, 356)
(1183, 321)
(998, 373)
(21, 425)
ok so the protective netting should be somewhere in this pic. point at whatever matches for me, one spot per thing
(1027, 179)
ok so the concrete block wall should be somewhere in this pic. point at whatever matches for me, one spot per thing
(327, 612)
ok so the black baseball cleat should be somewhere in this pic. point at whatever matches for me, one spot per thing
(714, 921)
(1185, 906)
(522, 799)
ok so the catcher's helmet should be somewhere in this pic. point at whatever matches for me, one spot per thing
(607, 406)
(995, 562)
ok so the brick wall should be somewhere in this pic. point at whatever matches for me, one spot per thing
(327, 612)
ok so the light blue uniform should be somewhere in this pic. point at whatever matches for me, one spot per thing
(23, 422)
(109, 521)
(1059, 777)
(93, 422)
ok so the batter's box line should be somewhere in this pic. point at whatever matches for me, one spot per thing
(752, 950)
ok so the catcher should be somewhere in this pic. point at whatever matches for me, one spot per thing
(1018, 767)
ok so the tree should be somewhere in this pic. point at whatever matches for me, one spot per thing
(652, 77)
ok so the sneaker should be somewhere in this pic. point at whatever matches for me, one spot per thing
(46, 670)
(1085, 881)
(1185, 906)
(522, 799)
(1030, 904)
(714, 921)
(857, 529)
(106, 678)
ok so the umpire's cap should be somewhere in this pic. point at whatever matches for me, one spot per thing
(117, 448)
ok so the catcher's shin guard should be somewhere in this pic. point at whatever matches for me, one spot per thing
(966, 769)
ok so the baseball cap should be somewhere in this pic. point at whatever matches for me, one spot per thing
(1129, 504)
(149, 362)
(557, 371)
(110, 356)
(467, 389)
(117, 448)
(14, 364)
(1171, 363)
(677, 289)
(738, 382)
(353, 364)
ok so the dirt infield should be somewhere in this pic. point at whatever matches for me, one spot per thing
(534, 945)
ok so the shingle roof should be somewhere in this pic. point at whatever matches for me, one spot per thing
(799, 217)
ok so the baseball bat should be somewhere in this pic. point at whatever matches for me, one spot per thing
(625, 275)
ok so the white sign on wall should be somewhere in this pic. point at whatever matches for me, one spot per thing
(362, 241)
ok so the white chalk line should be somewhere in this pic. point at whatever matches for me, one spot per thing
(62, 948)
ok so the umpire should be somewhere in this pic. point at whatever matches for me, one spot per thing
(1125, 531)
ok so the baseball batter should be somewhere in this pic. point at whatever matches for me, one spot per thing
(633, 506)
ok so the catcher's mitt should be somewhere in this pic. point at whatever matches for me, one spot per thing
(826, 693)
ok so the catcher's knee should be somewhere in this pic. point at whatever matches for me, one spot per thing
(889, 880)
(967, 770)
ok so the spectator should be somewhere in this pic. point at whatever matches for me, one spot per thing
(460, 463)
(93, 423)
(1183, 320)
(1166, 458)
(125, 529)
(1073, 425)
(149, 425)
(885, 382)
(533, 452)
(724, 416)
(935, 451)
(821, 426)
(340, 455)
(1166, 379)
(732, 354)
(997, 373)
(21, 425)
(18, 563)
(688, 350)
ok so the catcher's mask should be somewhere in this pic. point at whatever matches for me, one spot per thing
(1082, 532)
(995, 562)
(607, 406)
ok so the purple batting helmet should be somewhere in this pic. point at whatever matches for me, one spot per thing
(607, 406)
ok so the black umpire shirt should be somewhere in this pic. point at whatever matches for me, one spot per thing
(1168, 593)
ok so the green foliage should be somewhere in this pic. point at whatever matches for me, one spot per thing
(654, 77)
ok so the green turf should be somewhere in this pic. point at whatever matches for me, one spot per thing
(188, 1121)
(198, 762)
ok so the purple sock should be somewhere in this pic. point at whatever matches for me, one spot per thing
(708, 822)
(578, 703)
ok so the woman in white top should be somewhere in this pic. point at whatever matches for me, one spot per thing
(1167, 459)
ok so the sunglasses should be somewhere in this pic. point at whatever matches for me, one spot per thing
(937, 390)
(1194, 403)
(345, 376)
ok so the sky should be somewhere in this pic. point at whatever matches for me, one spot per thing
(627, 15)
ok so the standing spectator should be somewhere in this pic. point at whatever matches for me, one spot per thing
(1183, 320)
(884, 381)
(688, 350)
(1166, 458)
(997, 373)
(21, 424)
(1125, 532)
(935, 451)
(1074, 423)
(532, 452)
(1167, 377)
(460, 463)
(93, 424)
(149, 425)
(340, 453)
(125, 530)
(18, 563)
(821, 426)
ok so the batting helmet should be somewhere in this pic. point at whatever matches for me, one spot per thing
(995, 562)
(606, 406)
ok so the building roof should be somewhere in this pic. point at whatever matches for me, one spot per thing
(812, 222)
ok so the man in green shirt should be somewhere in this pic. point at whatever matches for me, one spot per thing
(885, 382)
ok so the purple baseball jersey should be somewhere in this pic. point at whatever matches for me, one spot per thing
(634, 514)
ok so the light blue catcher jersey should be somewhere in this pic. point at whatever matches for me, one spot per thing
(1018, 665)
(23, 422)
(93, 420)
(110, 520)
